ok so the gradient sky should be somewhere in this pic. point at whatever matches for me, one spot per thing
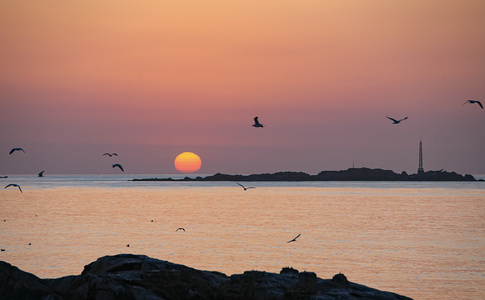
(152, 79)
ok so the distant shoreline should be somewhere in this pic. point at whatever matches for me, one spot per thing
(351, 174)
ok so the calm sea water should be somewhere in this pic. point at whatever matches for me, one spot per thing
(425, 240)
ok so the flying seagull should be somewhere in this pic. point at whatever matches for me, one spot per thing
(110, 154)
(474, 101)
(180, 228)
(396, 121)
(41, 174)
(119, 166)
(16, 149)
(246, 188)
(293, 240)
(13, 184)
(256, 123)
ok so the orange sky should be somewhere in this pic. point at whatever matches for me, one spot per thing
(152, 79)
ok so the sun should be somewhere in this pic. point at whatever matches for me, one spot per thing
(187, 162)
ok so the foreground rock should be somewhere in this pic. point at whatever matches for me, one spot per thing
(127, 276)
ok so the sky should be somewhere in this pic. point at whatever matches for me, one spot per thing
(151, 79)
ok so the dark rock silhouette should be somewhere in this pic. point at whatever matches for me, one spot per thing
(127, 276)
(352, 174)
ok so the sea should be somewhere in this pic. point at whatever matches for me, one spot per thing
(424, 240)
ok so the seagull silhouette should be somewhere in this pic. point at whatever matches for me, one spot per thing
(180, 228)
(396, 121)
(41, 174)
(246, 188)
(16, 149)
(119, 166)
(110, 154)
(293, 240)
(474, 101)
(13, 184)
(256, 123)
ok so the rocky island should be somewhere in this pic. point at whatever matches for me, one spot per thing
(127, 276)
(351, 174)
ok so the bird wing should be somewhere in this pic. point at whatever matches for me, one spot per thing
(119, 166)
(13, 184)
(114, 154)
(16, 149)
(391, 119)
(294, 239)
(466, 102)
(480, 103)
(240, 185)
(106, 154)
(403, 119)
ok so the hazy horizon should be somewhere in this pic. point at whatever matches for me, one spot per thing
(176, 174)
(150, 80)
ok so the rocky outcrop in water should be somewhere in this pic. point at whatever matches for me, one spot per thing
(352, 174)
(127, 276)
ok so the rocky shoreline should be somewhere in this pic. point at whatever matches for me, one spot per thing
(127, 276)
(352, 174)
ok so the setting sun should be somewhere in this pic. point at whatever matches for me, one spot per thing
(187, 162)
